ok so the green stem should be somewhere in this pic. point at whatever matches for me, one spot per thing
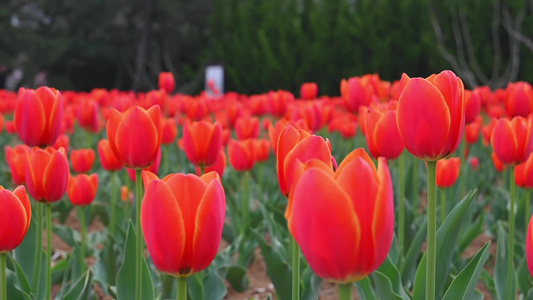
(83, 231)
(165, 159)
(295, 253)
(432, 230)
(527, 209)
(510, 260)
(414, 187)
(3, 284)
(38, 247)
(345, 291)
(245, 200)
(114, 191)
(167, 285)
(182, 288)
(401, 204)
(442, 205)
(139, 248)
(462, 173)
(48, 251)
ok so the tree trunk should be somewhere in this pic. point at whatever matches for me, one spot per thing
(143, 45)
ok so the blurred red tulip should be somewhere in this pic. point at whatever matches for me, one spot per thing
(15, 211)
(182, 217)
(167, 82)
(63, 141)
(16, 160)
(241, 154)
(135, 136)
(108, 159)
(511, 139)
(344, 221)
(498, 165)
(81, 189)
(448, 171)
(39, 116)
(87, 115)
(170, 131)
(247, 128)
(472, 106)
(474, 162)
(82, 160)
(472, 131)
(382, 135)
(202, 142)
(47, 174)
(309, 91)
(518, 99)
(219, 166)
(431, 115)
(355, 94)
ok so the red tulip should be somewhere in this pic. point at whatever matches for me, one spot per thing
(431, 115)
(474, 162)
(511, 140)
(524, 173)
(38, 116)
(472, 131)
(247, 128)
(262, 149)
(107, 157)
(219, 166)
(382, 135)
(16, 160)
(344, 221)
(518, 99)
(153, 168)
(448, 171)
(47, 174)
(202, 142)
(167, 82)
(63, 141)
(241, 154)
(182, 217)
(135, 136)
(170, 131)
(87, 115)
(81, 189)
(472, 106)
(498, 165)
(356, 93)
(15, 211)
(82, 160)
(309, 91)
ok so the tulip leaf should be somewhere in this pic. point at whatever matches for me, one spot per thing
(472, 232)
(523, 277)
(311, 284)
(206, 285)
(22, 279)
(126, 274)
(364, 289)
(384, 287)
(500, 266)
(530, 294)
(236, 276)
(389, 281)
(80, 288)
(408, 264)
(278, 269)
(13, 288)
(464, 284)
(447, 235)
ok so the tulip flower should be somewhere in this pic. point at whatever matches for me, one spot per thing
(431, 115)
(241, 154)
(170, 131)
(219, 166)
(63, 141)
(262, 150)
(448, 171)
(511, 140)
(81, 189)
(518, 99)
(356, 93)
(167, 82)
(202, 142)
(38, 116)
(107, 157)
(82, 160)
(472, 106)
(247, 128)
(135, 136)
(87, 115)
(154, 168)
(182, 219)
(15, 207)
(355, 206)
(309, 91)
(16, 160)
(47, 174)
(474, 162)
(382, 135)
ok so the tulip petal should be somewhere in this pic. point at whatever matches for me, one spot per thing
(504, 142)
(423, 119)
(325, 225)
(21, 193)
(163, 227)
(14, 221)
(29, 118)
(115, 118)
(55, 177)
(387, 139)
(208, 226)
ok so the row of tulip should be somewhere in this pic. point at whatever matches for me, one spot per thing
(342, 216)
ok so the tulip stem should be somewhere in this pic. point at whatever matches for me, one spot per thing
(401, 204)
(527, 216)
(48, 251)
(345, 291)
(38, 247)
(462, 173)
(442, 205)
(139, 250)
(414, 187)
(165, 159)
(83, 231)
(3, 284)
(113, 203)
(182, 288)
(245, 199)
(510, 260)
(295, 253)
(432, 230)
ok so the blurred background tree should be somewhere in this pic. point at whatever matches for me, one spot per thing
(264, 45)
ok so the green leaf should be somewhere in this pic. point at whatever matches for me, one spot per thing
(384, 287)
(126, 274)
(364, 289)
(464, 284)
(523, 276)
(195, 287)
(408, 264)
(21, 277)
(391, 277)
(80, 288)
(236, 276)
(500, 266)
(472, 232)
(215, 289)
(311, 284)
(13, 288)
(447, 236)
(67, 234)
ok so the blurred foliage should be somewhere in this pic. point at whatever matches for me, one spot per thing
(262, 44)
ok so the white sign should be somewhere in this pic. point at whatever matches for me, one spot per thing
(214, 81)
